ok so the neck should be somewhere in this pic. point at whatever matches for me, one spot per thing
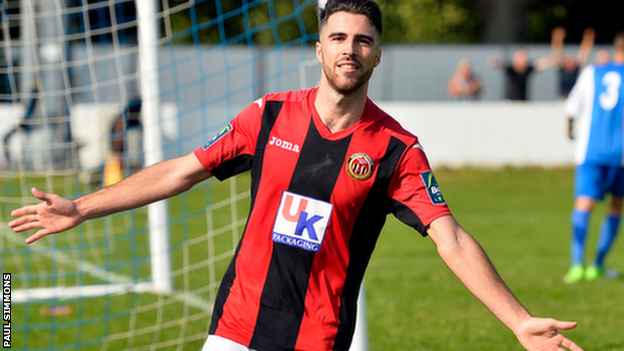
(618, 57)
(337, 111)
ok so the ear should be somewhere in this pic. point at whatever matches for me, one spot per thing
(378, 58)
(319, 51)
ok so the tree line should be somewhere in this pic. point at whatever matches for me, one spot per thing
(265, 22)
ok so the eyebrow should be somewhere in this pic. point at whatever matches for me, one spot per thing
(360, 36)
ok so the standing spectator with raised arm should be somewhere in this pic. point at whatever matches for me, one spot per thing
(570, 65)
(519, 70)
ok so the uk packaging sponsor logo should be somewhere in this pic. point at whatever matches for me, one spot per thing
(433, 189)
(301, 221)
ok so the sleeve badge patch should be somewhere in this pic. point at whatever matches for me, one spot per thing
(433, 190)
(219, 135)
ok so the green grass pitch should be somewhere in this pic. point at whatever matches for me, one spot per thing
(520, 216)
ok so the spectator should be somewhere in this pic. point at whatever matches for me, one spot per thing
(569, 65)
(463, 85)
(602, 57)
(517, 73)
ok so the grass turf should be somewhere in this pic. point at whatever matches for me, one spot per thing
(520, 217)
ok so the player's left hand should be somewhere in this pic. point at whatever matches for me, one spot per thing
(53, 215)
(542, 334)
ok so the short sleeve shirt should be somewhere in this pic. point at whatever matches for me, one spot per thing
(595, 102)
(319, 202)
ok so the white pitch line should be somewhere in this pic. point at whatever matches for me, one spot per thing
(83, 267)
(120, 283)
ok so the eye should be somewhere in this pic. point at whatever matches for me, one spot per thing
(364, 40)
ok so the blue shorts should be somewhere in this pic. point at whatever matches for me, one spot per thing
(596, 181)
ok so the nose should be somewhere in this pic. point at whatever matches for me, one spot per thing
(349, 47)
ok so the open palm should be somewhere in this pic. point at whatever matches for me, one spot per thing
(54, 215)
(542, 334)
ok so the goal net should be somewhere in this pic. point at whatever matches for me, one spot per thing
(90, 91)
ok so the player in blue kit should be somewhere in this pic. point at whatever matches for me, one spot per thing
(596, 102)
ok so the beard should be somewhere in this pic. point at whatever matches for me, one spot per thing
(346, 85)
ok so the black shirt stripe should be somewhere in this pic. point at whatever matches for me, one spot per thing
(366, 230)
(283, 298)
(269, 117)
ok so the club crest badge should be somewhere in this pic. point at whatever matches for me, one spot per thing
(360, 166)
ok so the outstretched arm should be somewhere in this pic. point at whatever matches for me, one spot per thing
(469, 262)
(587, 43)
(557, 36)
(56, 214)
(495, 62)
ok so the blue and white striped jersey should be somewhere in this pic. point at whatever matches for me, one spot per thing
(596, 103)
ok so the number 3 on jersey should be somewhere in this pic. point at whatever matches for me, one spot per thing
(609, 98)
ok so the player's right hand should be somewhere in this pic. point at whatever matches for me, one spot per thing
(542, 334)
(53, 215)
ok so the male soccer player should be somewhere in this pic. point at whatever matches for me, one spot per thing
(596, 100)
(327, 166)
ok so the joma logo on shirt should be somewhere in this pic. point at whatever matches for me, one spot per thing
(286, 145)
(301, 221)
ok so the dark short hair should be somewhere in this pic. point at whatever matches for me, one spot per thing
(367, 8)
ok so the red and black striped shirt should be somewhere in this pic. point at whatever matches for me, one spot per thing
(319, 202)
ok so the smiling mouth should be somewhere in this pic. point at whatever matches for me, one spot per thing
(349, 66)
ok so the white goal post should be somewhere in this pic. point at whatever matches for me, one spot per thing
(157, 212)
